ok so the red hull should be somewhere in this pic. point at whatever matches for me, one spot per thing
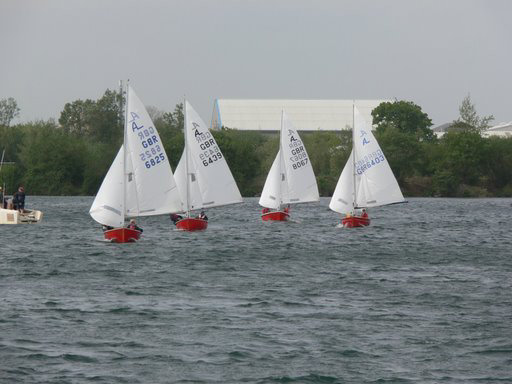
(191, 224)
(122, 235)
(355, 221)
(275, 216)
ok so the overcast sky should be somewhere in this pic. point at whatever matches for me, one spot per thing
(430, 52)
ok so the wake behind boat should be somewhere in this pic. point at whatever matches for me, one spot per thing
(291, 179)
(139, 182)
(366, 180)
(202, 175)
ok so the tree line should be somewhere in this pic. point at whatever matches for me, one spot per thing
(72, 156)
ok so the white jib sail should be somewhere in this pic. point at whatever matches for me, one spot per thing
(343, 196)
(149, 171)
(107, 206)
(275, 186)
(377, 184)
(291, 178)
(208, 168)
(194, 193)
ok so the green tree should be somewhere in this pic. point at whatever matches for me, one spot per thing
(8, 111)
(100, 119)
(469, 119)
(53, 161)
(404, 116)
(240, 150)
(76, 116)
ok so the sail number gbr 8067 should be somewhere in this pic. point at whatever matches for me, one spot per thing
(209, 153)
(299, 157)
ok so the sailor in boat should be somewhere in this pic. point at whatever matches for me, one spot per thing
(2, 198)
(175, 218)
(202, 216)
(364, 214)
(133, 225)
(287, 209)
(106, 227)
(265, 210)
(18, 199)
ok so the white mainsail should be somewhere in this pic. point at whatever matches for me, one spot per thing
(210, 182)
(157, 192)
(375, 185)
(291, 178)
(145, 185)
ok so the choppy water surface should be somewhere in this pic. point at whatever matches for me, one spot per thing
(423, 295)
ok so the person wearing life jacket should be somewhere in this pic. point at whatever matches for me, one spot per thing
(265, 210)
(202, 216)
(287, 209)
(18, 199)
(132, 225)
(175, 218)
(364, 215)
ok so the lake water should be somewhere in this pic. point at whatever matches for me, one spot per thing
(424, 295)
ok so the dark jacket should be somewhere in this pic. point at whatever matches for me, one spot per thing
(18, 200)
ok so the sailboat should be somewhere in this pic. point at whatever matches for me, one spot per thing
(202, 175)
(367, 179)
(9, 215)
(140, 181)
(290, 179)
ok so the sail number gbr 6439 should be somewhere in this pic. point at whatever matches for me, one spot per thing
(209, 152)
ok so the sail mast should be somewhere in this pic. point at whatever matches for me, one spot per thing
(125, 142)
(186, 154)
(281, 161)
(354, 154)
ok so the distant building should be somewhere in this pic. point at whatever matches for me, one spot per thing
(440, 130)
(501, 130)
(306, 115)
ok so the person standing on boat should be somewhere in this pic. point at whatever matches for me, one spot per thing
(175, 218)
(18, 199)
(134, 226)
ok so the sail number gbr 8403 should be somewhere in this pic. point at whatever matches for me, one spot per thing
(152, 153)
(209, 151)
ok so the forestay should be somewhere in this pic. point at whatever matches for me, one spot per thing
(211, 183)
(291, 178)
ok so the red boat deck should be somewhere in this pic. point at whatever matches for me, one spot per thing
(192, 224)
(275, 216)
(122, 235)
(355, 221)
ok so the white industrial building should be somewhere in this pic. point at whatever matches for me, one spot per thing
(306, 115)
(501, 130)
